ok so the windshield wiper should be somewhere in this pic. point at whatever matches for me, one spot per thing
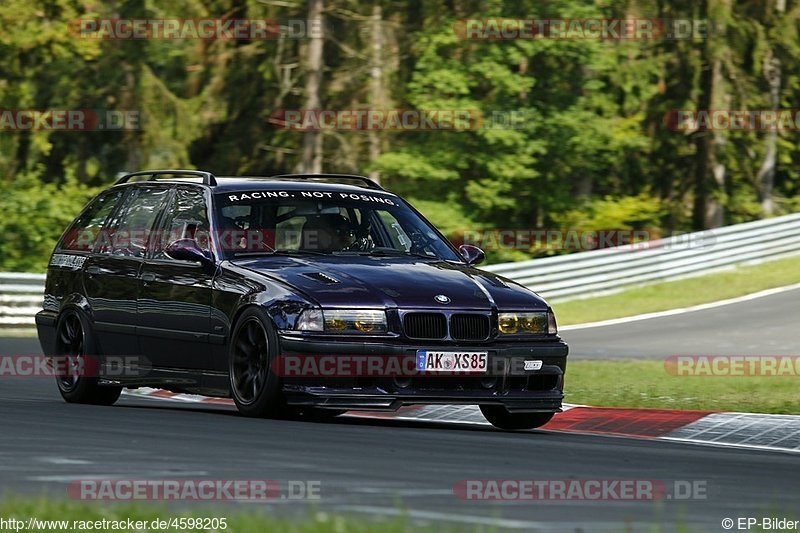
(278, 252)
(382, 252)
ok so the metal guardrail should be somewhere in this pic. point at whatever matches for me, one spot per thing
(612, 269)
(21, 296)
(559, 277)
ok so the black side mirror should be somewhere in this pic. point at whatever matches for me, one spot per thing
(471, 254)
(187, 250)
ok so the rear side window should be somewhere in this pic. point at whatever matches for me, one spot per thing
(133, 227)
(84, 231)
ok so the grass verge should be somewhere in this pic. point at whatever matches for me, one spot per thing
(74, 515)
(681, 293)
(80, 517)
(18, 332)
(648, 384)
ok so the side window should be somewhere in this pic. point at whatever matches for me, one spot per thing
(186, 218)
(235, 217)
(84, 231)
(133, 227)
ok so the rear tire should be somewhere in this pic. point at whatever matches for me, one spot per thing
(499, 417)
(76, 349)
(255, 389)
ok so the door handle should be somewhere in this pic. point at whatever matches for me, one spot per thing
(148, 277)
(93, 270)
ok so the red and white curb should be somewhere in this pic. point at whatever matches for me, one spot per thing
(741, 430)
(160, 394)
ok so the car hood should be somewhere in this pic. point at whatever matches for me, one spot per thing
(363, 281)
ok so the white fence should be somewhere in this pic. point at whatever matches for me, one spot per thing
(558, 277)
(612, 269)
(20, 298)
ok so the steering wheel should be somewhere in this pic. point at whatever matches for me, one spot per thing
(419, 242)
(363, 241)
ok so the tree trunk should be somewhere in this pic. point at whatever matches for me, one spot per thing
(715, 208)
(378, 101)
(583, 186)
(312, 140)
(709, 171)
(765, 179)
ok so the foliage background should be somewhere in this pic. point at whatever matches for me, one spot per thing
(592, 152)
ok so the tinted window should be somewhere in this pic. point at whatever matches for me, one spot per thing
(132, 229)
(84, 231)
(186, 218)
(325, 222)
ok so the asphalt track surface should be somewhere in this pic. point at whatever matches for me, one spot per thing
(763, 326)
(377, 468)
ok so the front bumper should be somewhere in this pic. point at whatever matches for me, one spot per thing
(508, 385)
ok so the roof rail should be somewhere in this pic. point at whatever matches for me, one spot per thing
(208, 177)
(370, 184)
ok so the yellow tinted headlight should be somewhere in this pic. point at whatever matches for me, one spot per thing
(355, 321)
(533, 322)
(529, 323)
(508, 323)
(335, 324)
(364, 326)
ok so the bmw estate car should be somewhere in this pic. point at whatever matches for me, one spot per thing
(294, 295)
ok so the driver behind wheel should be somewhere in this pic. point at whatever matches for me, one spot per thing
(327, 233)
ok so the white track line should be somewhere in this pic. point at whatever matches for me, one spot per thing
(715, 444)
(449, 517)
(681, 310)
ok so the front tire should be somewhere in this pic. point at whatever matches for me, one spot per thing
(499, 417)
(75, 346)
(255, 389)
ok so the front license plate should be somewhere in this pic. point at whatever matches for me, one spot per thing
(470, 362)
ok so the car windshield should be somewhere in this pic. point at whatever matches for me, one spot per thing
(324, 222)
